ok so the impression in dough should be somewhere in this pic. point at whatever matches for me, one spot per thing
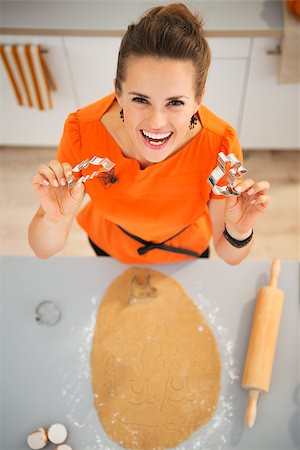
(156, 368)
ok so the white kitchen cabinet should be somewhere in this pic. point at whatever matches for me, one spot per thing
(227, 78)
(93, 62)
(24, 126)
(271, 113)
(242, 88)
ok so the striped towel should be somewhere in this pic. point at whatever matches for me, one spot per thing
(29, 76)
(289, 67)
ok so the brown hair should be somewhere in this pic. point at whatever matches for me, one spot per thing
(170, 31)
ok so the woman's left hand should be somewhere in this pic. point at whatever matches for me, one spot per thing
(241, 212)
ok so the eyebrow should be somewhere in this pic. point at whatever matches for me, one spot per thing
(176, 97)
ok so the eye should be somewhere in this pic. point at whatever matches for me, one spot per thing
(139, 100)
(176, 103)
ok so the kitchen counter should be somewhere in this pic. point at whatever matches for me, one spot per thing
(111, 18)
(45, 374)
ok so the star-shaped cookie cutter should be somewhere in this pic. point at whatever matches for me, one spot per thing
(105, 166)
(236, 170)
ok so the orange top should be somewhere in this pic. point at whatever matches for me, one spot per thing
(153, 203)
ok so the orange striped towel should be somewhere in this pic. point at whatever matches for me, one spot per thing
(28, 75)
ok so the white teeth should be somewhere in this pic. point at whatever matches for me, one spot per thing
(156, 143)
(157, 135)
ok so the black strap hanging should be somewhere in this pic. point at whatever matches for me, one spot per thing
(148, 245)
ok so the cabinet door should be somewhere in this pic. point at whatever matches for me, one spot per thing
(93, 62)
(271, 114)
(227, 78)
(26, 126)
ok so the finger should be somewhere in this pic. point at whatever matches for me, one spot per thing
(58, 170)
(78, 192)
(68, 174)
(40, 185)
(244, 185)
(262, 187)
(40, 180)
(261, 200)
(67, 168)
(47, 173)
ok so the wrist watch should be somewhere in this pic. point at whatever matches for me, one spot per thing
(235, 242)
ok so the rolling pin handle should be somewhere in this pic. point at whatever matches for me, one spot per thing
(275, 269)
(250, 415)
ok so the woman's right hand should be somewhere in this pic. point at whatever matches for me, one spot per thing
(51, 188)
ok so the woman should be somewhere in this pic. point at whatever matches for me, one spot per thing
(156, 207)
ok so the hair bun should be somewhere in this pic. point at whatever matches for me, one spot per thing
(170, 31)
(178, 10)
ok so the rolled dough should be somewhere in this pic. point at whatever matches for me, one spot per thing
(156, 368)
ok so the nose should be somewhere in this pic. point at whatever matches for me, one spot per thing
(156, 119)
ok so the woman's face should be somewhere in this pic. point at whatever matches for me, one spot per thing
(158, 99)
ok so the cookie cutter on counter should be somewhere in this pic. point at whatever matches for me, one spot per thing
(236, 170)
(106, 165)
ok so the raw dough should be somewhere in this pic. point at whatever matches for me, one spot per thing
(156, 369)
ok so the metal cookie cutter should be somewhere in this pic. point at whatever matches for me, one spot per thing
(235, 171)
(105, 166)
(141, 288)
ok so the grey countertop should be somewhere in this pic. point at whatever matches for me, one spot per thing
(45, 373)
(97, 17)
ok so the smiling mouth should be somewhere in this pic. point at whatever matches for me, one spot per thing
(156, 139)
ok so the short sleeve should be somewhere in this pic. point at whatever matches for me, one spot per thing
(230, 144)
(69, 149)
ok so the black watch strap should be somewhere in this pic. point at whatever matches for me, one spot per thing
(235, 242)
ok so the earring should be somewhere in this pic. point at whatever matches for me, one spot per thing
(193, 122)
(122, 115)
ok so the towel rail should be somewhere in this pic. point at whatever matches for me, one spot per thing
(28, 74)
(43, 50)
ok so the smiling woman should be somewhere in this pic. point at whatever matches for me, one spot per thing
(157, 113)
(155, 206)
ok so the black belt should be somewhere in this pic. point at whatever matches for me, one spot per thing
(148, 245)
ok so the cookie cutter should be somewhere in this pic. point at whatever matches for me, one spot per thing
(141, 289)
(105, 166)
(236, 170)
(47, 313)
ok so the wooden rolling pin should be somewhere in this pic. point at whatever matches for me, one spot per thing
(262, 342)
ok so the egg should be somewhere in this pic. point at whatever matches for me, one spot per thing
(37, 439)
(57, 433)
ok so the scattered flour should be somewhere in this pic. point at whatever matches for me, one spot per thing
(77, 392)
